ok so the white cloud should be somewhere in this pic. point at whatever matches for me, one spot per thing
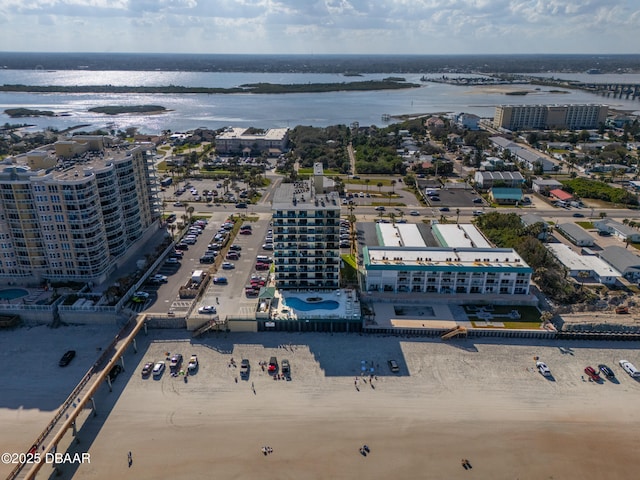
(324, 26)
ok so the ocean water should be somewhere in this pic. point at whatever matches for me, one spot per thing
(213, 111)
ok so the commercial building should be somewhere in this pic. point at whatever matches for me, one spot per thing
(543, 186)
(573, 117)
(70, 211)
(306, 226)
(247, 142)
(487, 180)
(442, 270)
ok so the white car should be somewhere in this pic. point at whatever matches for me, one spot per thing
(630, 368)
(193, 363)
(158, 368)
(159, 278)
(543, 369)
(207, 309)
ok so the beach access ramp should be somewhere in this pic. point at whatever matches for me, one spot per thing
(459, 330)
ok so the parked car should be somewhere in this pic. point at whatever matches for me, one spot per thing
(286, 367)
(228, 266)
(477, 200)
(232, 256)
(176, 362)
(267, 246)
(207, 259)
(193, 363)
(147, 369)
(172, 261)
(245, 368)
(220, 280)
(245, 232)
(67, 357)
(207, 309)
(630, 368)
(235, 248)
(543, 369)
(158, 368)
(273, 365)
(606, 371)
(140, 297)
(159, 278)
(181, 246)
(592, 373)
(393, 366)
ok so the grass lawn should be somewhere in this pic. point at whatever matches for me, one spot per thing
(327, 171)
(586, 225)
(350, 270)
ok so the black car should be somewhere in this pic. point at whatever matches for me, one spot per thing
(66, 358)
(114, 372)
(606, 371)
(286, 367)
(235, 248)
(182, 246)
(578, 215)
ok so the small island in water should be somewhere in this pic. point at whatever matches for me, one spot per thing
(119, 109)
(28, 112)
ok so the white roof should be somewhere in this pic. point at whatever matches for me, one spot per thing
(461, 236)
(573, 261)
(400, 235)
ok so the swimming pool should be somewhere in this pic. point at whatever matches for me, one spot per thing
(13, 293)
(303, 306)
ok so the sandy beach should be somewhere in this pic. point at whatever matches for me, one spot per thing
(473, 399)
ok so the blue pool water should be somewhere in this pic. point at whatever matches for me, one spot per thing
(12, 293)
(303, 306)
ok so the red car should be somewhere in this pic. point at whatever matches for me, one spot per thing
(593, 374)
(245, 232)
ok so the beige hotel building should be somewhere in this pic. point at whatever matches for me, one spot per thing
(71, 210)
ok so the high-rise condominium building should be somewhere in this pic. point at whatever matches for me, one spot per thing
(69, 212)
(573, 117)
(306, 224)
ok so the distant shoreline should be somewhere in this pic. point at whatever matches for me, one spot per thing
(254, 88)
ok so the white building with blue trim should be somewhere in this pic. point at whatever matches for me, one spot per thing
(445, 270)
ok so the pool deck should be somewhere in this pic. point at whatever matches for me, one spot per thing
(33, 296)
(432, 315)
(348, 305)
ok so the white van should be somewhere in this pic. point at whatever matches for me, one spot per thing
(629, 368)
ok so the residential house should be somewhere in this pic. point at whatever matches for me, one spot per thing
(624, 261)
(618, 230)
(575, 234)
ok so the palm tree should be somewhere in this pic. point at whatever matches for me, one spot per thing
(393, 185)
(190, 211)
(367, 181)
(379, 185)
(457, 215)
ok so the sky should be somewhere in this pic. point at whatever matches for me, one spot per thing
(321, 26)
